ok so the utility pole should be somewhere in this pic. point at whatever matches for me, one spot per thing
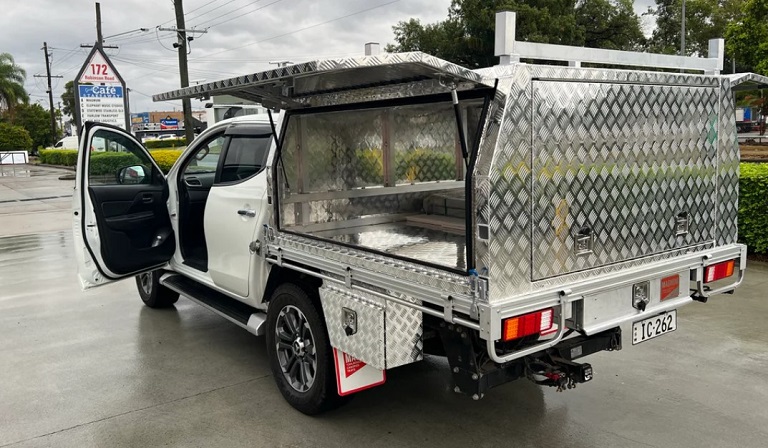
(61, 118)
(186, 104)
(50, 89)
(99, 36)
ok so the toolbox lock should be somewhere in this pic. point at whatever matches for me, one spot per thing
(681, 224)
(349, 321)
(583, 241)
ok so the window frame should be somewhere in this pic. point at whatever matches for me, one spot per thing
(248, 131)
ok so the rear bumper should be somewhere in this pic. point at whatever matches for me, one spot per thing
(597, 304)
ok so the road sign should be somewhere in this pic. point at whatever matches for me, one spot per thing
(105, 104)
(140, 118)
(98, 69)
(169, 123)
(100, 91)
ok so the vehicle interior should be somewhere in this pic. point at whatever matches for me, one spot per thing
(222, 159)
(128, 196)
(388, 179)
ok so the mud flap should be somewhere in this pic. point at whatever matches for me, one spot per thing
(353, 375)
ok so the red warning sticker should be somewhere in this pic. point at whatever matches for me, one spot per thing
(670, 287)
(352, 365)
(353, 375)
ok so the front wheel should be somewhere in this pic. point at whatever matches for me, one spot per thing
(299, 351)
(152, 293)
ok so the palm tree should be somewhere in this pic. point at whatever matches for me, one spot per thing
(12, 79)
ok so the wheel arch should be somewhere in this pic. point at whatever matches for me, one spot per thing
(279, 275)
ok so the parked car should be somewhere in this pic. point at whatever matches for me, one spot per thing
(511, 219)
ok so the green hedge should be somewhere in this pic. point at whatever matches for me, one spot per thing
(63, 157)
(111, 162)
(14, 138)
(101, 161)
(169, 143)
(753, 206)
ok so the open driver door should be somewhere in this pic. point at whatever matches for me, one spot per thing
(120, 216)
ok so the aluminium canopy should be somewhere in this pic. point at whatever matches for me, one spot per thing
(748, 81)
(290, 87)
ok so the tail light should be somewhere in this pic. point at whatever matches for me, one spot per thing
(528, 324)
(719, 271)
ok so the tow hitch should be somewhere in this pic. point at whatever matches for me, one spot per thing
(558, 372)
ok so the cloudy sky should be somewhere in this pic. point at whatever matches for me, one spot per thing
(243, 37)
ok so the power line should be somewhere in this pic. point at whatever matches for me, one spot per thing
(196, 9)
(211, 10)
(243, 15)
(228, 13)
(298, 30)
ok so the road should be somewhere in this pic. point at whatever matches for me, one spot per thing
(98, 369)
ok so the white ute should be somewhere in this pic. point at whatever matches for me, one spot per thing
(512, 219)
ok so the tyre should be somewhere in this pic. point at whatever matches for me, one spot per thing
(299, 351)
(152, 293)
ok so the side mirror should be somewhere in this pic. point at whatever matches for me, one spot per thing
(130, 175)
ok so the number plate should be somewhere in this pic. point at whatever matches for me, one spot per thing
(652, 327)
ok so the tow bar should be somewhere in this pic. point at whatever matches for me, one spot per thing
(558, 372)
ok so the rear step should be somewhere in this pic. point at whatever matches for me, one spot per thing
(233, 310)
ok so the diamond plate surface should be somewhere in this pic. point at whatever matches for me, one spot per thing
(424, 142)
(437, 279)
(504, 176)
(368, 343)
(389, 334)
(622, 160)
(295, 85)
(727, 169)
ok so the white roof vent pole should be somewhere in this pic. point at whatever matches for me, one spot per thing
(717, 52)
(372, 49)
(505, 37)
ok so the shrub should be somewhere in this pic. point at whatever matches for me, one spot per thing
(753, 206)
(170, 143)
(14, 138)
(165, 158)
(63, 157)
(110, 162)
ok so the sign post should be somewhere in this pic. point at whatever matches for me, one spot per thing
(100, 92)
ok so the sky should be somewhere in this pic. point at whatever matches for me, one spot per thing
(243, 36)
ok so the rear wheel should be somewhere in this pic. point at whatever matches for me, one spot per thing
(152, 293)
(299, 351)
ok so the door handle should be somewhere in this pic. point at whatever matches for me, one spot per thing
(248, 213)
(147, 198)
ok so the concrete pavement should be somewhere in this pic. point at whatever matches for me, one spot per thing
(33, 199)
(98, 369)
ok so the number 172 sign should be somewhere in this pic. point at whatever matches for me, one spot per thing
(98, 70)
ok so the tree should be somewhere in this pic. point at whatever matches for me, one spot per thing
(12, 79)
(747, 38)
(36, 121)
(14, 138)
(68, 105)
(466, 37)
(704, 20)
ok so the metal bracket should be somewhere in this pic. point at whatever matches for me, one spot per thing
(348, 277)
(448, 309)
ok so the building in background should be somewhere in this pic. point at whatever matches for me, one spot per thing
(154, 124)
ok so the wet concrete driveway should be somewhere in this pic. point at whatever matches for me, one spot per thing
(97, 368)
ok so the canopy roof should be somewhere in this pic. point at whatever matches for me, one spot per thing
(286, 87)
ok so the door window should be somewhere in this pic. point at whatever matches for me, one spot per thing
(206, 158)
(116, 159)
(246, 156)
